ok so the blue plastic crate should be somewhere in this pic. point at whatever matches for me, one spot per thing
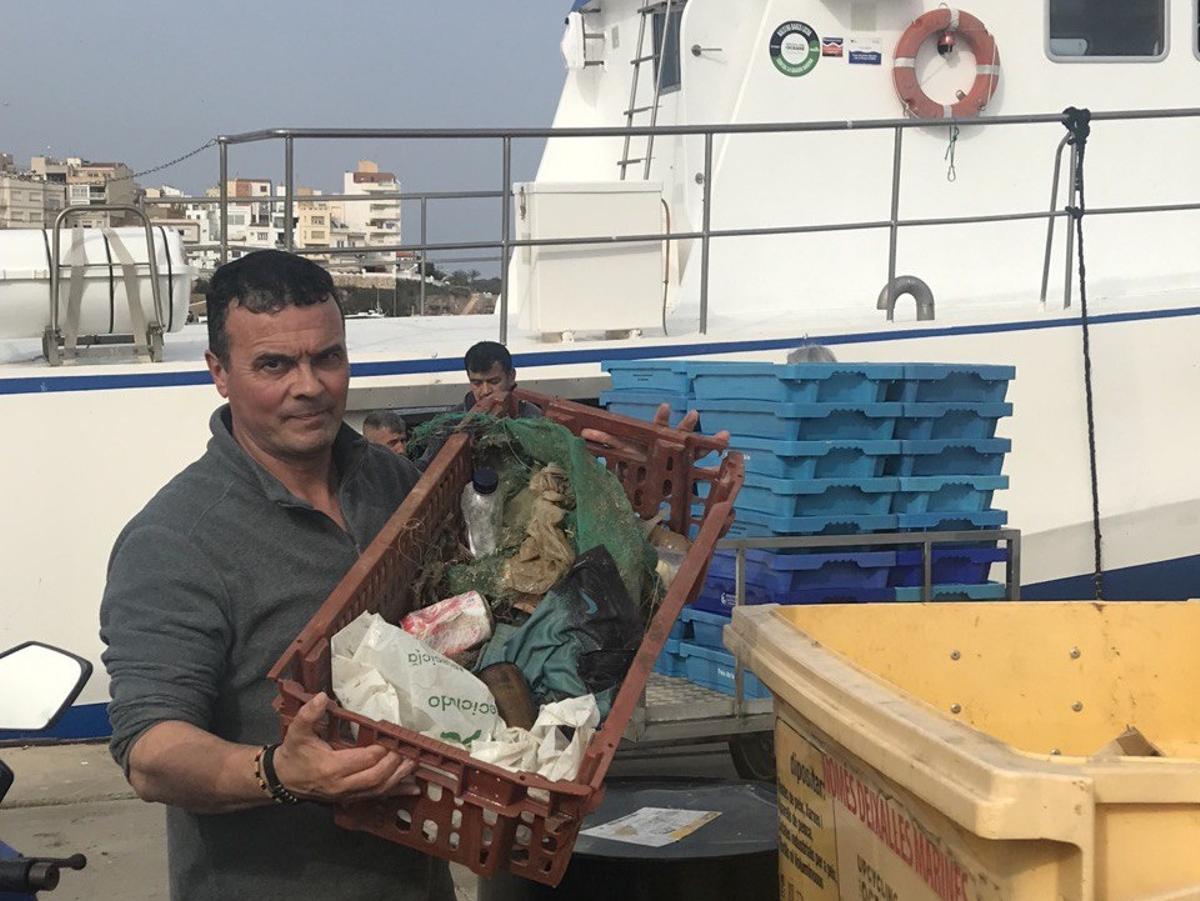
(782, 573)
(949, 457)
(677, 630)
(951, 565)
(920, 422)
(989, 591)
(705, 627)
(644, 404)
(950, 522)
(670, 661)
(799, 422)
(717, 670)
(670, 376)
(816, 497)
(752, 524)
(952, 383)
(946, 494)
(855, 383)
(844, 458)
(720, 595)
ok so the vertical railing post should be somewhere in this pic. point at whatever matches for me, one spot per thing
(705, 229)
(505, 236)
(1073, 196)
(894, 228)
(424, 252)
(1051, 221)
(289, 178)
(739, 672)
(927, 579)
(223, 193)
(1014, 569)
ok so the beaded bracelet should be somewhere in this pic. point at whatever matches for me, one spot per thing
(268, 781)
(279, 793)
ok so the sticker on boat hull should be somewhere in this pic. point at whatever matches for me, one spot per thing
(831, 46)
(795, 48)
(865, 51)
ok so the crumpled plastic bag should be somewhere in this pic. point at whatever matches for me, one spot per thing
(382, 672)
(545, 749)
(546, 553)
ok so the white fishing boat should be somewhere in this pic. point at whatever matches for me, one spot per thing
(738, 179)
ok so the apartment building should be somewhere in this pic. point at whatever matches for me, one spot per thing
(378, 220)
(28, 203)
(88, 183)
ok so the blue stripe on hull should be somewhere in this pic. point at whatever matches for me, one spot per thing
(39, 384)
(1167, 580)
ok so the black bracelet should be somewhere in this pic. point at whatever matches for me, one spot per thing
(278, 792)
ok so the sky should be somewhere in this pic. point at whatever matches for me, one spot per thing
(144, 82)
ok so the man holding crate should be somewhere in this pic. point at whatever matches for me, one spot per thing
(222, 569)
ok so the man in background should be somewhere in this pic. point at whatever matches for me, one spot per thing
(387, 428)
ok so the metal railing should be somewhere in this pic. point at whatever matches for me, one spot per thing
(705, 234)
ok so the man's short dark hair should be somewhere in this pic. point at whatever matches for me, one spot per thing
(265, 281)
(386, 419)
(486, 354)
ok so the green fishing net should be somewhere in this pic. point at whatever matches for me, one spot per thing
(516, 449)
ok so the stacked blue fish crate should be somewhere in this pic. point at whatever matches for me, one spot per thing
(839, 449)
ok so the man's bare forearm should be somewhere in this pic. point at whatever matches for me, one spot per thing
(178, 764)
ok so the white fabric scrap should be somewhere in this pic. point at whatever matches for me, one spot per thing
(544, 749)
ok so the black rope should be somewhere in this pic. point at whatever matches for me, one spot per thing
(1078, 123)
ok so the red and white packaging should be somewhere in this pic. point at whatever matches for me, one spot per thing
(453, 626)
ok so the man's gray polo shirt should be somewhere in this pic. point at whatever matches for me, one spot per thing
(206, 587)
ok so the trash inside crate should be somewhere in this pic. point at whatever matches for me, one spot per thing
(665, 376)
(920, 422)
(948, 457)
(478, 814)
(816, 497)
(951, 383)
(855, 383)
(989, 591)
(844, 458)
(644, 405)
(785, 573)
(951, 565)
(800, 422)
(717, 670)
(946, 494)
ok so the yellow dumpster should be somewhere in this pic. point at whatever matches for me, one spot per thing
(983, 751)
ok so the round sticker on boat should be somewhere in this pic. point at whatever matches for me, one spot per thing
(795, 48)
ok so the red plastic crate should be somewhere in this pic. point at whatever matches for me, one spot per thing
(476, 814)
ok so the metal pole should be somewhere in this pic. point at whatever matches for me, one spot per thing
(1014, 568)
(705, 230)
(894, 232)
(505, 237)
(1051, 220)
(927, 590)
(424, 253)
(289, 184)
(739, 674)
(1074, 199)
(223, 190)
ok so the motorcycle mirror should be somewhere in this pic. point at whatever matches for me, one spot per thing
(37, 684)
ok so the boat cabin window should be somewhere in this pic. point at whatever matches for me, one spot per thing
(666, 55)
(1107, 29)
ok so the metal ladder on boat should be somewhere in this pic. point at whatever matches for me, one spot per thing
(60, 343)
(640, 57)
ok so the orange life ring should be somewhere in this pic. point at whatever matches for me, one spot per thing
(987, 64)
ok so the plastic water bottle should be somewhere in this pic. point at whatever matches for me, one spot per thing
(481, 512)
